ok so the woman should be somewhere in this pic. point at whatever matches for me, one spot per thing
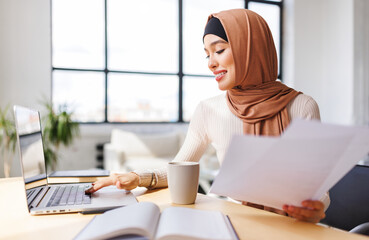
(242, 56)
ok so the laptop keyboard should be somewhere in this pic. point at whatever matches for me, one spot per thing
(69, 195)
(32, 194)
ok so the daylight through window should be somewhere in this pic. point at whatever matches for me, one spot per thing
(138, 61)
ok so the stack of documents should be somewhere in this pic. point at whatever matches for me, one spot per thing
(304, 163)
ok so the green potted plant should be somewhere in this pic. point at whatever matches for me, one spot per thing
(8, 140)
(59, 129)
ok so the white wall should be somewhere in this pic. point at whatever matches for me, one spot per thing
(326, 56)
(25, 55)
(25, 69)
(320, 52)
(361, 62)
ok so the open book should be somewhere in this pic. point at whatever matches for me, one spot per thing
(144, 221)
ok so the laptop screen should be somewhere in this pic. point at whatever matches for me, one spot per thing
(30, 144)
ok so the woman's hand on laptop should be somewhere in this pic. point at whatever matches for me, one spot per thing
(127, 181)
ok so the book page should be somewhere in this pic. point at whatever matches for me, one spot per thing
(186, 223)
(137, 219)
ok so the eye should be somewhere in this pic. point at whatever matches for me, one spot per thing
(207, 57)
(220, 51)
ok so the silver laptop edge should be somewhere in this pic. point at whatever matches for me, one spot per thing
(30, 146)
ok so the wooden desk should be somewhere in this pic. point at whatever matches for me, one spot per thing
(250, 223)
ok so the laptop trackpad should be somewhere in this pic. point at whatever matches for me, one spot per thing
(113, 197)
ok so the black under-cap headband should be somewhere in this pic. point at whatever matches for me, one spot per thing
(214, 26)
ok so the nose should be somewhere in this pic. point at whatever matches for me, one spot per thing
(212, 63)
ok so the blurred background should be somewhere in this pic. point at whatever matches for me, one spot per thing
(140, 65)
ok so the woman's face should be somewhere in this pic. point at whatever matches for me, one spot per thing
(220, 61)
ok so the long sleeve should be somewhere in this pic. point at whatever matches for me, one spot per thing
(303, 106)
(192, 149)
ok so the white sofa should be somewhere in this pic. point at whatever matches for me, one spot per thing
(128, 151)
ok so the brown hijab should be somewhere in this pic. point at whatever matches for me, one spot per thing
(259, 100)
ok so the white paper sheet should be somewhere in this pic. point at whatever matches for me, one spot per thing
(304, 163)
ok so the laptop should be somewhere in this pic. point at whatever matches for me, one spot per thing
(46, 198)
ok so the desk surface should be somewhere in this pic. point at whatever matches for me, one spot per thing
(250, 223)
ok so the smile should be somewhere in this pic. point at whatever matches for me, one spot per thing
(220, 75)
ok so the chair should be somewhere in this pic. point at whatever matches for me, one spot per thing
(349, 208)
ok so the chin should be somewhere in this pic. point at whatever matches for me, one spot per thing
(221, 87)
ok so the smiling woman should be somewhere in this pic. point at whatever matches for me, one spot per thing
(242, 56)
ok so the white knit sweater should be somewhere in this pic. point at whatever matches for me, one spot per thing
(213, 123)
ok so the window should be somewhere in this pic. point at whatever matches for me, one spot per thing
(137, 61)
(271, 11)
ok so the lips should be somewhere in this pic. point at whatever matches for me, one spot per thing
(219, 75)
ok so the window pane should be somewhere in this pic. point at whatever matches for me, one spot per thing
(82, 91)
(143, 35)
(271, 15)
(193, 93)
(195, 14)
(78, 34)
(142, 98)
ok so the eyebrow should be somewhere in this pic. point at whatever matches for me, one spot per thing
(216, 42)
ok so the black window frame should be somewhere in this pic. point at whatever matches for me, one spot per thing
(180, 73)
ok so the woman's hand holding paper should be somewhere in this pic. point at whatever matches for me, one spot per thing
(311, 211)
